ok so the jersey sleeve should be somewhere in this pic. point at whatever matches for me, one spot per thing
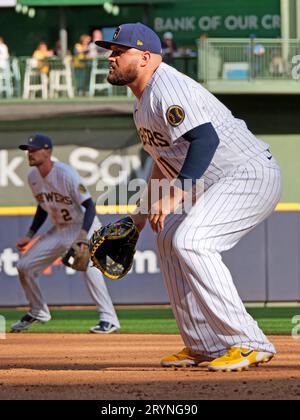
(182, 108)
(31, 182)
(78, 190)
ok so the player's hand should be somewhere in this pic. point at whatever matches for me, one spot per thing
(158, 213)
(157, 222)
(22, 243)
(165, 206)
(82, 237)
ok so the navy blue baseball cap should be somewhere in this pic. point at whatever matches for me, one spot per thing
(37, 141)
(134, 35)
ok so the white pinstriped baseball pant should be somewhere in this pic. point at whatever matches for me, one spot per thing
(44, 252)
(209, 312)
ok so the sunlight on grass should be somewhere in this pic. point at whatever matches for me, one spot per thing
(147, 321)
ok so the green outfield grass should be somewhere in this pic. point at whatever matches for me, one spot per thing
(149, 320)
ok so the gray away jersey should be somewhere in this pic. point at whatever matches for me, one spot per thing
(60, 193)
(173, 104)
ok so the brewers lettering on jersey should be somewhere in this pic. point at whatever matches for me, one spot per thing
(192, 136)
(61, 195)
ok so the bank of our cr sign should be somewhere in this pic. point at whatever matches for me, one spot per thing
(213, 23)
(233, 23)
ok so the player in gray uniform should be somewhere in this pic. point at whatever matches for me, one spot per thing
(194, 139)
(61, 195)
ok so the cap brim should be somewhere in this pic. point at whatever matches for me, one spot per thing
(26, 147)
(108, 44)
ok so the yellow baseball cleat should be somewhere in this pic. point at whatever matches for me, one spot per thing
(184, 358)
(237, 359)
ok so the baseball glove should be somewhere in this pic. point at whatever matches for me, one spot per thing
(112, 248)
(77, 257)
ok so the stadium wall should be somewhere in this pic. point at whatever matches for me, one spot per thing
(265, 264)
(265, 267)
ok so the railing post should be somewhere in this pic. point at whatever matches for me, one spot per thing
(63, 35)
(203, 58)
(251, 59)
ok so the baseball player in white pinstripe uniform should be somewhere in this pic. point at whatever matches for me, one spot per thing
(194, 137)
(61, 195)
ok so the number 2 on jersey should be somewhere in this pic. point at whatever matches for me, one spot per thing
(66, 215)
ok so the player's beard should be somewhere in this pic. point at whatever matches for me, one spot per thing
(33, 162)
(122, 79)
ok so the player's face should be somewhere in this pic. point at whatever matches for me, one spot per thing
(38, 157)
(123, 68)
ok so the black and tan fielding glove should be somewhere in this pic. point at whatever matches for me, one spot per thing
(77, 257)
(112, 248)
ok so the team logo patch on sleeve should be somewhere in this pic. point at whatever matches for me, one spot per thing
(175, 115)
(82, 189)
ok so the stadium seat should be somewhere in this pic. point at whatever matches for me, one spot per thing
(6, 80)
(34, 81)
(98, 78)
(16, 77)
(60, 78)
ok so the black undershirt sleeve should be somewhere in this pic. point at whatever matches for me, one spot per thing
(39, 219)
(203, 144)
(89, 215)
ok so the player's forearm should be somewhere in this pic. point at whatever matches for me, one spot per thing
(156, 172)
(89, 216)
(145, 200)
(39, 219)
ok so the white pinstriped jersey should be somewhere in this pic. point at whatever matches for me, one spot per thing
(60, 193)
(171, 105)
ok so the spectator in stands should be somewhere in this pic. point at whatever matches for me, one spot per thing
(277, 66)
(94, 50)
(57, 49)
(169, 48)
(203, 37)
(81, 54)
(41, 54)
(258, 52)
(4, 54)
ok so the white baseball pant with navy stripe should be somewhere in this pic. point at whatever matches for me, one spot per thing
(48, 248)
(209, 312)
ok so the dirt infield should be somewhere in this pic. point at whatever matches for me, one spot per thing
(66, 366)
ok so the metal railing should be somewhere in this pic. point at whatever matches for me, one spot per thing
(220, 62)
(246, 59)
(28, 78)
